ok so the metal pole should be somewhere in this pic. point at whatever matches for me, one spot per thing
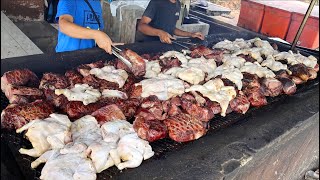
(304, 21)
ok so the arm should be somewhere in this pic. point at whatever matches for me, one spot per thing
(179, 32)
(67, 27)
(146, 29)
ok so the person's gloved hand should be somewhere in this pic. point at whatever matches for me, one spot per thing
(103, 41)
(198, 35)
(165, 37)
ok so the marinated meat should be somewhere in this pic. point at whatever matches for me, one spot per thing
(136, 92)
(255, 96)
(59, 101)
(101, 84)
(128, 107)
(169, 63)
(313, 73)
(138, 64)
(183, 128)
(16, 116)
(151, 109)
(84, 69)
(250, 80)
(22, 94)
(74, 77)
(271, 87)
(150, 130)
(297, 80)
(108, 113)
(289, 87)
(195, 110)
(248, 58)
(197, 52)
(19, 77)
(53, 81)
(301, 71)
(240, 104)
(121, 65)
(76, 109)
(282, 73)
(213, 106)
(172, 107)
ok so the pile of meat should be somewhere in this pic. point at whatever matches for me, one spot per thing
(174, 94)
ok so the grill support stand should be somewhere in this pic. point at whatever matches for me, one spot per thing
(303, 23)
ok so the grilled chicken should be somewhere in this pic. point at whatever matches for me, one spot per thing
(46, 134)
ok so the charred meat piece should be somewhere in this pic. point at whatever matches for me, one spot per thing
(217, 55)
(16, 116)
(19, 77)
(213, 106)
(289, 87)
(250, 80)
(129, 84)
(84, 69)
(53, 81)
(138, 64)
(197, 52)
(151, 109)
(76, 109)
(282, 73)
(74, 77)
(172, 107)
(255, 96)
(195, 110)
(59, 101)
(22, 94)
(271, 87)
(128, 107)
(150, 130)
(136, 92)
(184, 128)
(108, 113)
(297, 80)
(240, 104)
(301, 71)
(101, 84)
(167, 64)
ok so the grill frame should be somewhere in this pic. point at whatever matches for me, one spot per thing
(61, 62)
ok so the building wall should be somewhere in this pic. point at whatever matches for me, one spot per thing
(27, 10)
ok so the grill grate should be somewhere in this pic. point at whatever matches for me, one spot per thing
(161, 147)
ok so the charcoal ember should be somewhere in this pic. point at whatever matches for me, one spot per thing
(53, 81)
(108, 113)
(289, 87)
(167, 64)
(76, 109)
(271, 87)
(15, 116)
(184, 127)
(240, 103)
(73, 77)
(149, 130)
(301, 71)
(84, 69)
(19, 77)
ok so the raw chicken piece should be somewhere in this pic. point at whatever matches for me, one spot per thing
(149, 130)
(228, 72)
(109, 73)
(256, 68)
(46, 134)
(175, 54)
(287, 56)
(183, 128)
(138, 64)
(108, 113)
(255, 53)
(80, 92)
(164, 89)
(235, 61)
(108, 93)
(113, 130)
(206, 65)
(132, 151)
(274, 65)
(153, 68)
(16, 116)
(65, 166)
(84, 69)
(191, 75)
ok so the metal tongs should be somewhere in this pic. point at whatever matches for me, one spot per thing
(180, 43)
(116, 51)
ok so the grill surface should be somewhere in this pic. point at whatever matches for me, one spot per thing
(161, 147)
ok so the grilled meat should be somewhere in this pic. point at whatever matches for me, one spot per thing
(108, 113)
(19, 77)
(22, 94)
(301, 71)
(138, 64)
(73, 77)
(16, 116)
(84, 69)
(53, 81)
(151, 109)
(255, 96)
(183, 128)
(240, 104)
(76, 109)
(271, 87)
(289, 87)
(149, 130)
(167, 64)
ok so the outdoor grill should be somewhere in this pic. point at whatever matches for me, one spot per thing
(172, 160)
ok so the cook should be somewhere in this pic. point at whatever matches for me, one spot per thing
(81, 25)
(159, 22)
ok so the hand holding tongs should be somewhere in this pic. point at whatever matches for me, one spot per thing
(116, 51)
